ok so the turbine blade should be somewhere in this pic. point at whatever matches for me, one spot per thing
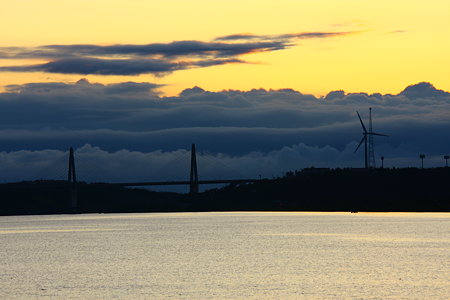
(362, 124)
(380, 134)
(364, 137)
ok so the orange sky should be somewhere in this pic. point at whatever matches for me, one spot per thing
(397, 42)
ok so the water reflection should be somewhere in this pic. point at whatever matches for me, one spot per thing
(226, 255)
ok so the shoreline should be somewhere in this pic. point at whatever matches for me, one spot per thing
(322, 190)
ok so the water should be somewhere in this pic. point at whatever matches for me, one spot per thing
(226, 256)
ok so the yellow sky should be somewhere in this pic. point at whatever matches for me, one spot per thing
(399, 42)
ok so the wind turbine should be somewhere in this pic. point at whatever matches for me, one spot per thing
(369, 162)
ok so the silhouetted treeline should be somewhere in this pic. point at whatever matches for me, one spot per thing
(53, 197)
(308, 190)
(342, 190)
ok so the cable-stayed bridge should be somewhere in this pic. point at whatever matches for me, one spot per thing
(72, 182)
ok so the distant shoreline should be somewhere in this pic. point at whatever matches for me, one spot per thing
(322, 190)
(234, 211)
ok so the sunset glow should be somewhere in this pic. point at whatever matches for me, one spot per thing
(392, 43)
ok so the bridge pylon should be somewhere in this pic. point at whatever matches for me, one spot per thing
(72, 181)
(193, 179)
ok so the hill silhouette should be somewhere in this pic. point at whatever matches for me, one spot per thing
(377, 190)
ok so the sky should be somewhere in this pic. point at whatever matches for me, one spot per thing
(262, 87)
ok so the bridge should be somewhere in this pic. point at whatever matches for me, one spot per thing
(218, 181)
(193, 181)
(72, 184)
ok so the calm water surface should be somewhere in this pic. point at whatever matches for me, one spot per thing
(226, 256)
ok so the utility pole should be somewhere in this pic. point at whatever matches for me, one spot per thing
(382, 162)
(371, 162)
(446, 157)
(422, 156)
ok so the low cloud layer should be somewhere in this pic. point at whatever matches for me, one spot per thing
(155, 58)
(127, 131)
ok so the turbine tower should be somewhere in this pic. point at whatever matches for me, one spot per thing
(369, 152)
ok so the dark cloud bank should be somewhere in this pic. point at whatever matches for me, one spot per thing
(156, 58)
(127, 131)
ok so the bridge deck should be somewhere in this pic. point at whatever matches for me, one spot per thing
(149, 183)
(186, 182)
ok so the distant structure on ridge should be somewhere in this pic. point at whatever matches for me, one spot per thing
(369, 152)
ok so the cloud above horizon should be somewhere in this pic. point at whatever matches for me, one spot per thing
(260, 131)
(283, 37)
(155, 58)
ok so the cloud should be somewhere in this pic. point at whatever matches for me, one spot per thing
(131, 126)
(95, 164)
(169, 50)
(155, 58)
(281, 37)
(51, 91)
(96, 66)
(310, 35)
(239, 36)
(423, 90)
(397, 31)
(99, 66)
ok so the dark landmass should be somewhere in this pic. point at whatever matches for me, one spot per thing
(375, 190)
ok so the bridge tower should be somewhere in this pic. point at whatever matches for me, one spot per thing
(194, 174)
(72, 181)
